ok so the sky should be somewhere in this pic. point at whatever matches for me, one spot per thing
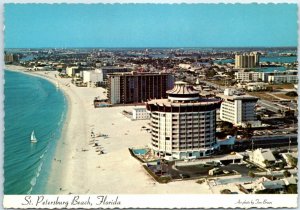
(149, 25)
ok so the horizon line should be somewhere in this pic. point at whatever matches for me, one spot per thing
(148, 47)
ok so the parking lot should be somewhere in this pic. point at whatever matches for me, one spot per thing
(201, 171)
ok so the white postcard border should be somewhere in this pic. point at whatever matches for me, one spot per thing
(150, 201)
(139, 201)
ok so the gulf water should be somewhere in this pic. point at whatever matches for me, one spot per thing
(31, 103)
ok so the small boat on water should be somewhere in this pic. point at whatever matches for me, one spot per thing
(33, 138)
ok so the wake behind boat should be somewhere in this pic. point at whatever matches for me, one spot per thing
(33, 138)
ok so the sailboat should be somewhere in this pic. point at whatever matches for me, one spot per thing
(33, 138)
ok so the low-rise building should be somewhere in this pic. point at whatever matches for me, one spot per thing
(256, 86)
(289, 156)
(276, 185)
(262, 157)
(289, 76)
(245, 76)
(140, 113)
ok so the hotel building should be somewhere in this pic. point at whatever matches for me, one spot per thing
(10, 58)
(133, 87)
(237, 109)
(247, 60)
(104, 71)
(184, 124)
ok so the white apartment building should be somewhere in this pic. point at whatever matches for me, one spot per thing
(114, 91)
(140, 113)
(91, 77)
(249, 76)
(184, 124)
(276, 77)
(237, 110)
(71, 71)
(289, 76)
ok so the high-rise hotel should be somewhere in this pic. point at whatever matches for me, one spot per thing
(247, 60)
(134, 87)
(184, 124)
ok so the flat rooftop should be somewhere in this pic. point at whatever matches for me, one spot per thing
(168, 102)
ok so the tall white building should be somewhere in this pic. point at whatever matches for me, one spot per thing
(92, 77)
(71, 71)
(237, 109)
(184, 124)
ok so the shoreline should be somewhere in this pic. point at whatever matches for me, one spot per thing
(23, 70)
(82, 170)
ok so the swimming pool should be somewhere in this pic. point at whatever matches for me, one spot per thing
(139, 151)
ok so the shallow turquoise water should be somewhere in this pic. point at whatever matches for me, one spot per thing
(140, 151)
(31, 103)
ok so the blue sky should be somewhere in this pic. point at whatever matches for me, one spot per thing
(150, 25)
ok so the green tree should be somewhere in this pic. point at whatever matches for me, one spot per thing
(225, 191)
(293, 161)
(286, 173)
(292, 189)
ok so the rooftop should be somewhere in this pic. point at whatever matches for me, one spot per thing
(183, 88)
(136, 73)
(168, 102)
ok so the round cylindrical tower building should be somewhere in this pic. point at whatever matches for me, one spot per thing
(184, 124)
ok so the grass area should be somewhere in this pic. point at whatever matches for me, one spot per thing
(268, 97)
(282, 86)
(283, 96)
(262, 95)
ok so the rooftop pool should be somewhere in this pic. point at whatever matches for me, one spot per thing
(140, 151)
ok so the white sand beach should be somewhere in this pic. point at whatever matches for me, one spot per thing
(79, 169)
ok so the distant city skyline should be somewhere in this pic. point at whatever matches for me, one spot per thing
(149, 25)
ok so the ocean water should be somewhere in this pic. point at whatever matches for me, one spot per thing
(31, 103)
